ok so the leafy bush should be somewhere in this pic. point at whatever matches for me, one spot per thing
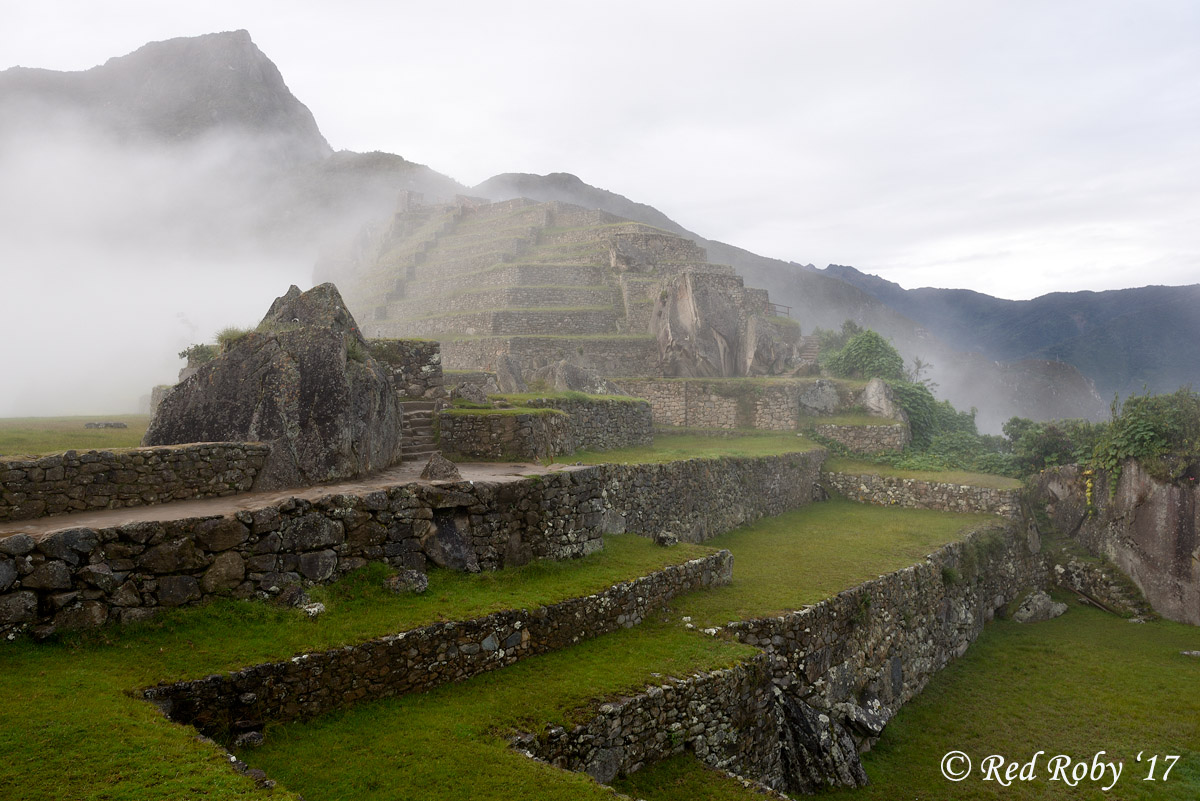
(866, 355)
(197, 355)
(1161, 431)
(1037, 445)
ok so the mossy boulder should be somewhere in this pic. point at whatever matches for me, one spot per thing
(304, 382)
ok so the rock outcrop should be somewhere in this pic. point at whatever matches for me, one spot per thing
(709, 325)
(305, 383)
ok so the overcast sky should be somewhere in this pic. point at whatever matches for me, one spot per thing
(1016, 148)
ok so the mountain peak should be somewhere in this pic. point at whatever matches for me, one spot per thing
(174, 90)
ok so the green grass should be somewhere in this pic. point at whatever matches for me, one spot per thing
(525, 397)
(449, 743)
(783, 563)
(675, 447)
(38, 436)
(838, 464)
(1082, 683)
(71, 730)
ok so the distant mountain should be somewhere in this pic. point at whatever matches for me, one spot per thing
(173, 91)
(1123, 339)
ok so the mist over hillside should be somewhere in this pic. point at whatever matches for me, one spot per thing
(168, 193)
(1125, 340)
(155, 199)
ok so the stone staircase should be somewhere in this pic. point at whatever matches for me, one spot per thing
(810, 349)
(418, 440)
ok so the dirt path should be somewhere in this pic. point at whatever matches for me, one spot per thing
(408, 473)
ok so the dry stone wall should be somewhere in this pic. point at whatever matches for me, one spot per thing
(609, 355)
(867, 439)
(603, 424)
(415, 364)
(829, 677)
(77, 481)
(528, 436)
(778, 405)
(84, 577)
(916, 494)
(424, 658)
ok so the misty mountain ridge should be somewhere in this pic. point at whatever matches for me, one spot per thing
(173, 91)
(275, 188)
(1123, 339)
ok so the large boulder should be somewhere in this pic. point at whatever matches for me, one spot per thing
(305, 383)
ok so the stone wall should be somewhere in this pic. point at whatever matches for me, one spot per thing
(504, 435)
(603, 424)
(416, 365)
(86, 577)
(532, 322)
(830, 677)
(776, 405)
(1147, 528)
(421, 659)
(867, 439)
(916, 494)
(609, 355)
(77, 481)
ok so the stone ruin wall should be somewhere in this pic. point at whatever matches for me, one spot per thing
(869, 439)
(421, 659)
(84, 577)
(77, 481)
(913, 493)
(528, 436)
(608, 355)
(776, 406)
(415, 364)
(553, 427)
(856, 657)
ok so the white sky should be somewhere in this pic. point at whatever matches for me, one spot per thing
(1016, 148)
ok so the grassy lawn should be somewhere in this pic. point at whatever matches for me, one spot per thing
(847, 543)
(449, 743)
(677, 447)
(71, 731)
(38, 436)
(840, 464)
(1082, 683)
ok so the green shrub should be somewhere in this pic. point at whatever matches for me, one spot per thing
(866, 355)
(231, 335)
(1162, 432)
(197, 355)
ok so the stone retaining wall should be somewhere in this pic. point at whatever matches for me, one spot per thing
(530, 436)
(88, 577)
(77, 481)
(603, 424)
(830, 677)
(867, 439)
(778, 405)
(916, 494)
(608, 355)
(416, 365)
(424, 658)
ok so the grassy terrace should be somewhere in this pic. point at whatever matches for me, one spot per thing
(675, 447)
(72, 732)
(450, 743)
(35, 436)
(1082, 683)
(838, 464)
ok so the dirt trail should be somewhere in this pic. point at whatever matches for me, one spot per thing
(408, 473)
